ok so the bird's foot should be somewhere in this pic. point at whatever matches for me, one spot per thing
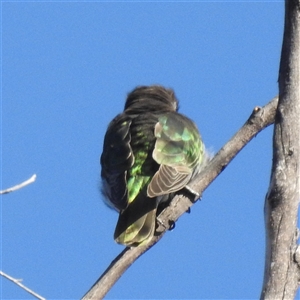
(171, 225)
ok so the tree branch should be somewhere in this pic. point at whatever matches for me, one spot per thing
(282, 276)
(17, 282)
(259, 119)
(19, 186)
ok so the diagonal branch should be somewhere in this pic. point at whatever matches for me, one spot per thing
(259, 119)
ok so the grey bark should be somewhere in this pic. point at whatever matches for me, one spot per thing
(281, 278)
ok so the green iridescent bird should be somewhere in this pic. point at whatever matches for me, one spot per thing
(150, 151)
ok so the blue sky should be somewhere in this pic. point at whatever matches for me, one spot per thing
(66, 70)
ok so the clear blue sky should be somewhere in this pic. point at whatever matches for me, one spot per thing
(66, 70)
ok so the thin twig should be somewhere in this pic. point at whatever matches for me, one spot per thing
(19, 186)
(260, 118)
(17, 282)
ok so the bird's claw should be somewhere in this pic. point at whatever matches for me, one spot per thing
(171, 225)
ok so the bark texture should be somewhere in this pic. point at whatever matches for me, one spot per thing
(281, 278)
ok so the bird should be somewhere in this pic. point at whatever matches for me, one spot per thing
(150, 151)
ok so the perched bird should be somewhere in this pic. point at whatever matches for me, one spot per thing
(150, 151)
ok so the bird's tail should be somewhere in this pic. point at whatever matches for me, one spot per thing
(136, 223)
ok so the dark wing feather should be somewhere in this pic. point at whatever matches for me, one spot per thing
(167, 180)
(116, 160)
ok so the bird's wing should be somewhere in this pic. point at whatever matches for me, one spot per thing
(178, 150)
(116, 159)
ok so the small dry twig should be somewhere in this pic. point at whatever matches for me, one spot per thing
(20, 185)
(17, 282)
